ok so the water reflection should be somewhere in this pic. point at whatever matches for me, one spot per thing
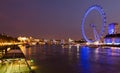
(71, 59)
(84, 59)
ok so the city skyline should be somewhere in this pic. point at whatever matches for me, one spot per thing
(57, 19)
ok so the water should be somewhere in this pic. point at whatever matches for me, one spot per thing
(58, 59)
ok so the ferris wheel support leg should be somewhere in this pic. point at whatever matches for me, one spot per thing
(96, 36)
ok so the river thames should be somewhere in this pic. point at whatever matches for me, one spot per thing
(66, 59)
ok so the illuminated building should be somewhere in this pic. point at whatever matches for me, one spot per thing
(113, 28)
(23, 39)
(113, 36)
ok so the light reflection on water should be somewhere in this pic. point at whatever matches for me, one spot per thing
(62, 59)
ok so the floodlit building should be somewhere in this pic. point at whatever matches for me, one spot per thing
(23, 39)
(113, 28)
(113, 36)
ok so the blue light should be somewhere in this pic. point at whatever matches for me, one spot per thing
(117, 40)
(84, 61)
(84, 53)
(111, 28)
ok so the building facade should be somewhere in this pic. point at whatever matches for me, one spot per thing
(113, 37)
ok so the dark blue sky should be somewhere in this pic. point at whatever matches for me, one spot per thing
(51, 18)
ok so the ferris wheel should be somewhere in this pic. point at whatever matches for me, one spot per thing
(97, 34)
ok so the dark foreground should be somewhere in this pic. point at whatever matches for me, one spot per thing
(58, 59)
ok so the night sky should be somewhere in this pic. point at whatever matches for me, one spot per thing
(49, 19)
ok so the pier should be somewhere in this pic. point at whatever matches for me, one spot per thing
(13, 60)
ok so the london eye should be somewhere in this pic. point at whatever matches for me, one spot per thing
(90, 25)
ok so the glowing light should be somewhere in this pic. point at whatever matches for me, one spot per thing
(70, 46)
(96, 50)
(96, 43)
(0, 61)
(8, 49)
(22, 38)
(33, 67)
(87, 43)
(78, 46)
(70, 40)
(31, 61)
